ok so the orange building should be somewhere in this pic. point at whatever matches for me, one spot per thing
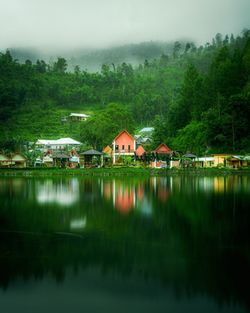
(163, 149)
(140, 151)
(124, 144)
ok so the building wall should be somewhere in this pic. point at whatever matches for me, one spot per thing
(123, 141)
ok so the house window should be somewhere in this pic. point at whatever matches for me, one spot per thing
(116, 147)
(123, 147)
(128, 148)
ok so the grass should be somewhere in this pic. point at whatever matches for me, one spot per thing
(121, 171)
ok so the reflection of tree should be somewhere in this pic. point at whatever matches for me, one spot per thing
(197, 242)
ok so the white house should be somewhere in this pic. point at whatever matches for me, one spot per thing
(78, 117)
(59, 144)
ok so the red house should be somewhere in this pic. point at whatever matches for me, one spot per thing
(163, 149)
(123, 145)
(140, 151)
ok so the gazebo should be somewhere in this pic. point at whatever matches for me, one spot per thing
(60, 159)
(91, 158)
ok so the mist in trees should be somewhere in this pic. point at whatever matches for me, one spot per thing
(197, 98)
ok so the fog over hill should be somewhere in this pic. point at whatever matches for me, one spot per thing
(92, 59)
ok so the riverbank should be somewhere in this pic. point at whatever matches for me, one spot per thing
(121, 171)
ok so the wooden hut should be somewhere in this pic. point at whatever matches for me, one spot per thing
(91, 158)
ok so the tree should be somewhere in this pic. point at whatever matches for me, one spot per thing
(60, 66)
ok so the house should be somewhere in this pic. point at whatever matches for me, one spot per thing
(60, 159)
(140, 151)
(230, 160)
(146, 131)
(19, 160)
(162, 156)
(74, 160)
(124, 145)
(78, 117)
(59, 144)
(91, 158)
(140, 140)
(4, 160)
(47, 160)
(206, 161)
(163, 149)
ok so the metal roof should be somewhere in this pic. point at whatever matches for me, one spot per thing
(61, 141)
(91, 152)
(146, 129)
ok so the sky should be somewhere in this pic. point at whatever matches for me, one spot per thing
(69, 24)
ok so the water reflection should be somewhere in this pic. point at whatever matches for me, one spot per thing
(64, 193)
(183, 238)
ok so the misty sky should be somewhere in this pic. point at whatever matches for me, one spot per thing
(101, 23)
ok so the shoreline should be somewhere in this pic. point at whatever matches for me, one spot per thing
(123, 171)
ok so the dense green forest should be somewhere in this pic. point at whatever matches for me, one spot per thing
(197, 98)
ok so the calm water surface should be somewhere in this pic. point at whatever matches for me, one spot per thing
(175, 244)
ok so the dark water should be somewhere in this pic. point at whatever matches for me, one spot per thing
(176, 244)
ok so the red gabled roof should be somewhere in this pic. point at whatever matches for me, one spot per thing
(165, 147)
(124, 131)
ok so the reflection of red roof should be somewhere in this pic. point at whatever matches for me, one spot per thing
(163, 149)
(124, 131)
(163, 194)
(107, 190)
(140, 151)
(124, 200)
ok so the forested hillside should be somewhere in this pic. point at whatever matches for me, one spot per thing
(198, 99)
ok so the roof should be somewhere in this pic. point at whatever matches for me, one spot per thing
(124, 131)
(162, 145)
(3, 157)
(61, 141)
(205, 159)
(79, 115)
(91, 152)
(107, 150)
(146, 130)
(60, 156)
(67, 141)
(189, 155)
(18, 157)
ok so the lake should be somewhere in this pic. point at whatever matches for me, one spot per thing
(158, 244)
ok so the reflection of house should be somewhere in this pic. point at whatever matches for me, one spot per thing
(63, 194)
(59, 144)
(78, 117)
(123, 196)
(123, 145)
